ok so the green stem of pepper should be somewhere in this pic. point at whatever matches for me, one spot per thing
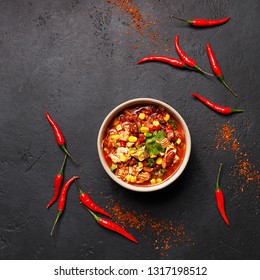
(63, 147)
(221, 79)
(61, 172)
(57, 218)
(217, 183)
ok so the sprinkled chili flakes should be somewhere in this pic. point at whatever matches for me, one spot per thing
(227, 141)
(144, 25)
(225, 138)
(163, 234)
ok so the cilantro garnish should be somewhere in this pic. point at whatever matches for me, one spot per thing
(153, 147)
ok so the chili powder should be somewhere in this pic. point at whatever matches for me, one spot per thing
(144, 25)
(243, 167)
(162, 234)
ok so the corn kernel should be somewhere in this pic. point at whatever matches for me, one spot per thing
(123, 158)
(115, 137)
(178, 141)
(133, 179)
(142, 116)
(140, 164)
(167, 117)
(153, 181)
(131, 150)
(128, 177)
(139, 153)
(144, 129)
(119, 127)
(158, 180)
(132, 139)
(159, 160)
(153, 156)
(156, 123)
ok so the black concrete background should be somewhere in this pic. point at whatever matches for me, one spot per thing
(76, 61)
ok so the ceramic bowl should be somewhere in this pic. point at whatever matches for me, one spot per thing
(143, 101)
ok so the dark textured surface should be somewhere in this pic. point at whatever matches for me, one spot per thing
(75, 59)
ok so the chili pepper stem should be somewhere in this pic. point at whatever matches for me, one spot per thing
(181, 19)
(57, 218)
(221, 79)
(236, 111)
(78, 186)
(190, 68)
(217, 183)
(63, 147)
(61, 172)
(202, 71)
(94, 215)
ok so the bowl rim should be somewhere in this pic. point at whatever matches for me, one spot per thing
(137, 101)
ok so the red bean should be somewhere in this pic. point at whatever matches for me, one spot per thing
(180, 135)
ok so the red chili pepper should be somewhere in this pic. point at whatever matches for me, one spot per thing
(113, 226)
(220, 199)
(62, 200)
(199, 22)
(216, 69)
(57, 182)
(87, 201)
(220, 109)
(122, 143)
(60, 139)
(140, 139)
(189, 61)
(154, 128)
(165, 59)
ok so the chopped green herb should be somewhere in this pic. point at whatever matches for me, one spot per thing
(173, 124)
(150, 162)
(161, 171)
(148, 134)
(153, 147)
(113, 167)
(160, 135)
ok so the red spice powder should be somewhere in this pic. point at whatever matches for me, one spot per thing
(144, 25)
(226, 140)
(162, 234)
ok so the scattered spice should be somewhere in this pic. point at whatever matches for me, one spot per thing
(248, 170)
(225, 138)
(163, 234)
(243, 168)
(143, 24)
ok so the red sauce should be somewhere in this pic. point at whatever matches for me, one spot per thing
(144, 145)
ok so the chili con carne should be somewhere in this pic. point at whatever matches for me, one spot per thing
(57, 182)
(216, 69)
(87, 201)
(220, 109)
(198, 22)
(165, 59)
(62, 201)
(186, 59)
(112, 226)
(220, 198)
(60, 139)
